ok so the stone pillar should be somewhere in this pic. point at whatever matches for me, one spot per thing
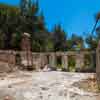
(42, 60)
(79, 61)
(26, 47)
(93, 59)
(12, 61)
(65, 61)
(23, 60)
(52, 60)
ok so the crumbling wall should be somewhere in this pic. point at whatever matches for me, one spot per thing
(40, 60)
(98, 64)
(7, 61)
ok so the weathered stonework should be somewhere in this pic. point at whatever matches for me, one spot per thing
(40, 60)
(79, 60)
(7, 61)
(98, 63)
(65, 61)
(52, 60)
(26, 47)
(26, 59)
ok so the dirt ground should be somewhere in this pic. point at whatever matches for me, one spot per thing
(44, 86)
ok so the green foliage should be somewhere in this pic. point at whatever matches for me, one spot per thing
(59, 62)
(87, 60)
(71, 63)
(59, 38)
(49, 45)
(69, 44)
(91, 42)
(13, 24)
(15, 41)
(77, 42)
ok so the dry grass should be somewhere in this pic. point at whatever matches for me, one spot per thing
(89, 85)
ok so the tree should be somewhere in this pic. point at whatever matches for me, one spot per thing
(76, 42)
(97, 18)
(6, 23)
(98, 39)
(12, 23)
(16, 41)
(25, 6)
(69, 44)
(91, 41)
(59, 39)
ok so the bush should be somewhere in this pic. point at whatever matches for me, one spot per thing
(71, 63)
(64, 69)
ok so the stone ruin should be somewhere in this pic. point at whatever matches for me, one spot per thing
(98, 63)
(7, 61)
(18, 60)
(26, 55)
(26, 59)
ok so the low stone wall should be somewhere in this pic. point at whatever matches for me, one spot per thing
(51, 59)
(7, 56)
(40, 60)
(7, 61)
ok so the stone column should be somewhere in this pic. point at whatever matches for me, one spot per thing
(79, 61)
(52, 60)
(77, 66)
(65, 61)
(42, 58)
(24, 61)
(93, 59)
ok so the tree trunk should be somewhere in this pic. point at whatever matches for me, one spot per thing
(94, 27)
(98, 64)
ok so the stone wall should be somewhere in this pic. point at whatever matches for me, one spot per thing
(51, 59)
(7, 61)
(40, 60)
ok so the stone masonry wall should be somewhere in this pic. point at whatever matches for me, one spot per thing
(40, 60)
(7, 61)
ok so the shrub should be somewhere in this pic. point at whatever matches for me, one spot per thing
(71, 63)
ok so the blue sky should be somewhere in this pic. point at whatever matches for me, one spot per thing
(75, 16)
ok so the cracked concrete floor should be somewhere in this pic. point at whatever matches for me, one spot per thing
(44, 86)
